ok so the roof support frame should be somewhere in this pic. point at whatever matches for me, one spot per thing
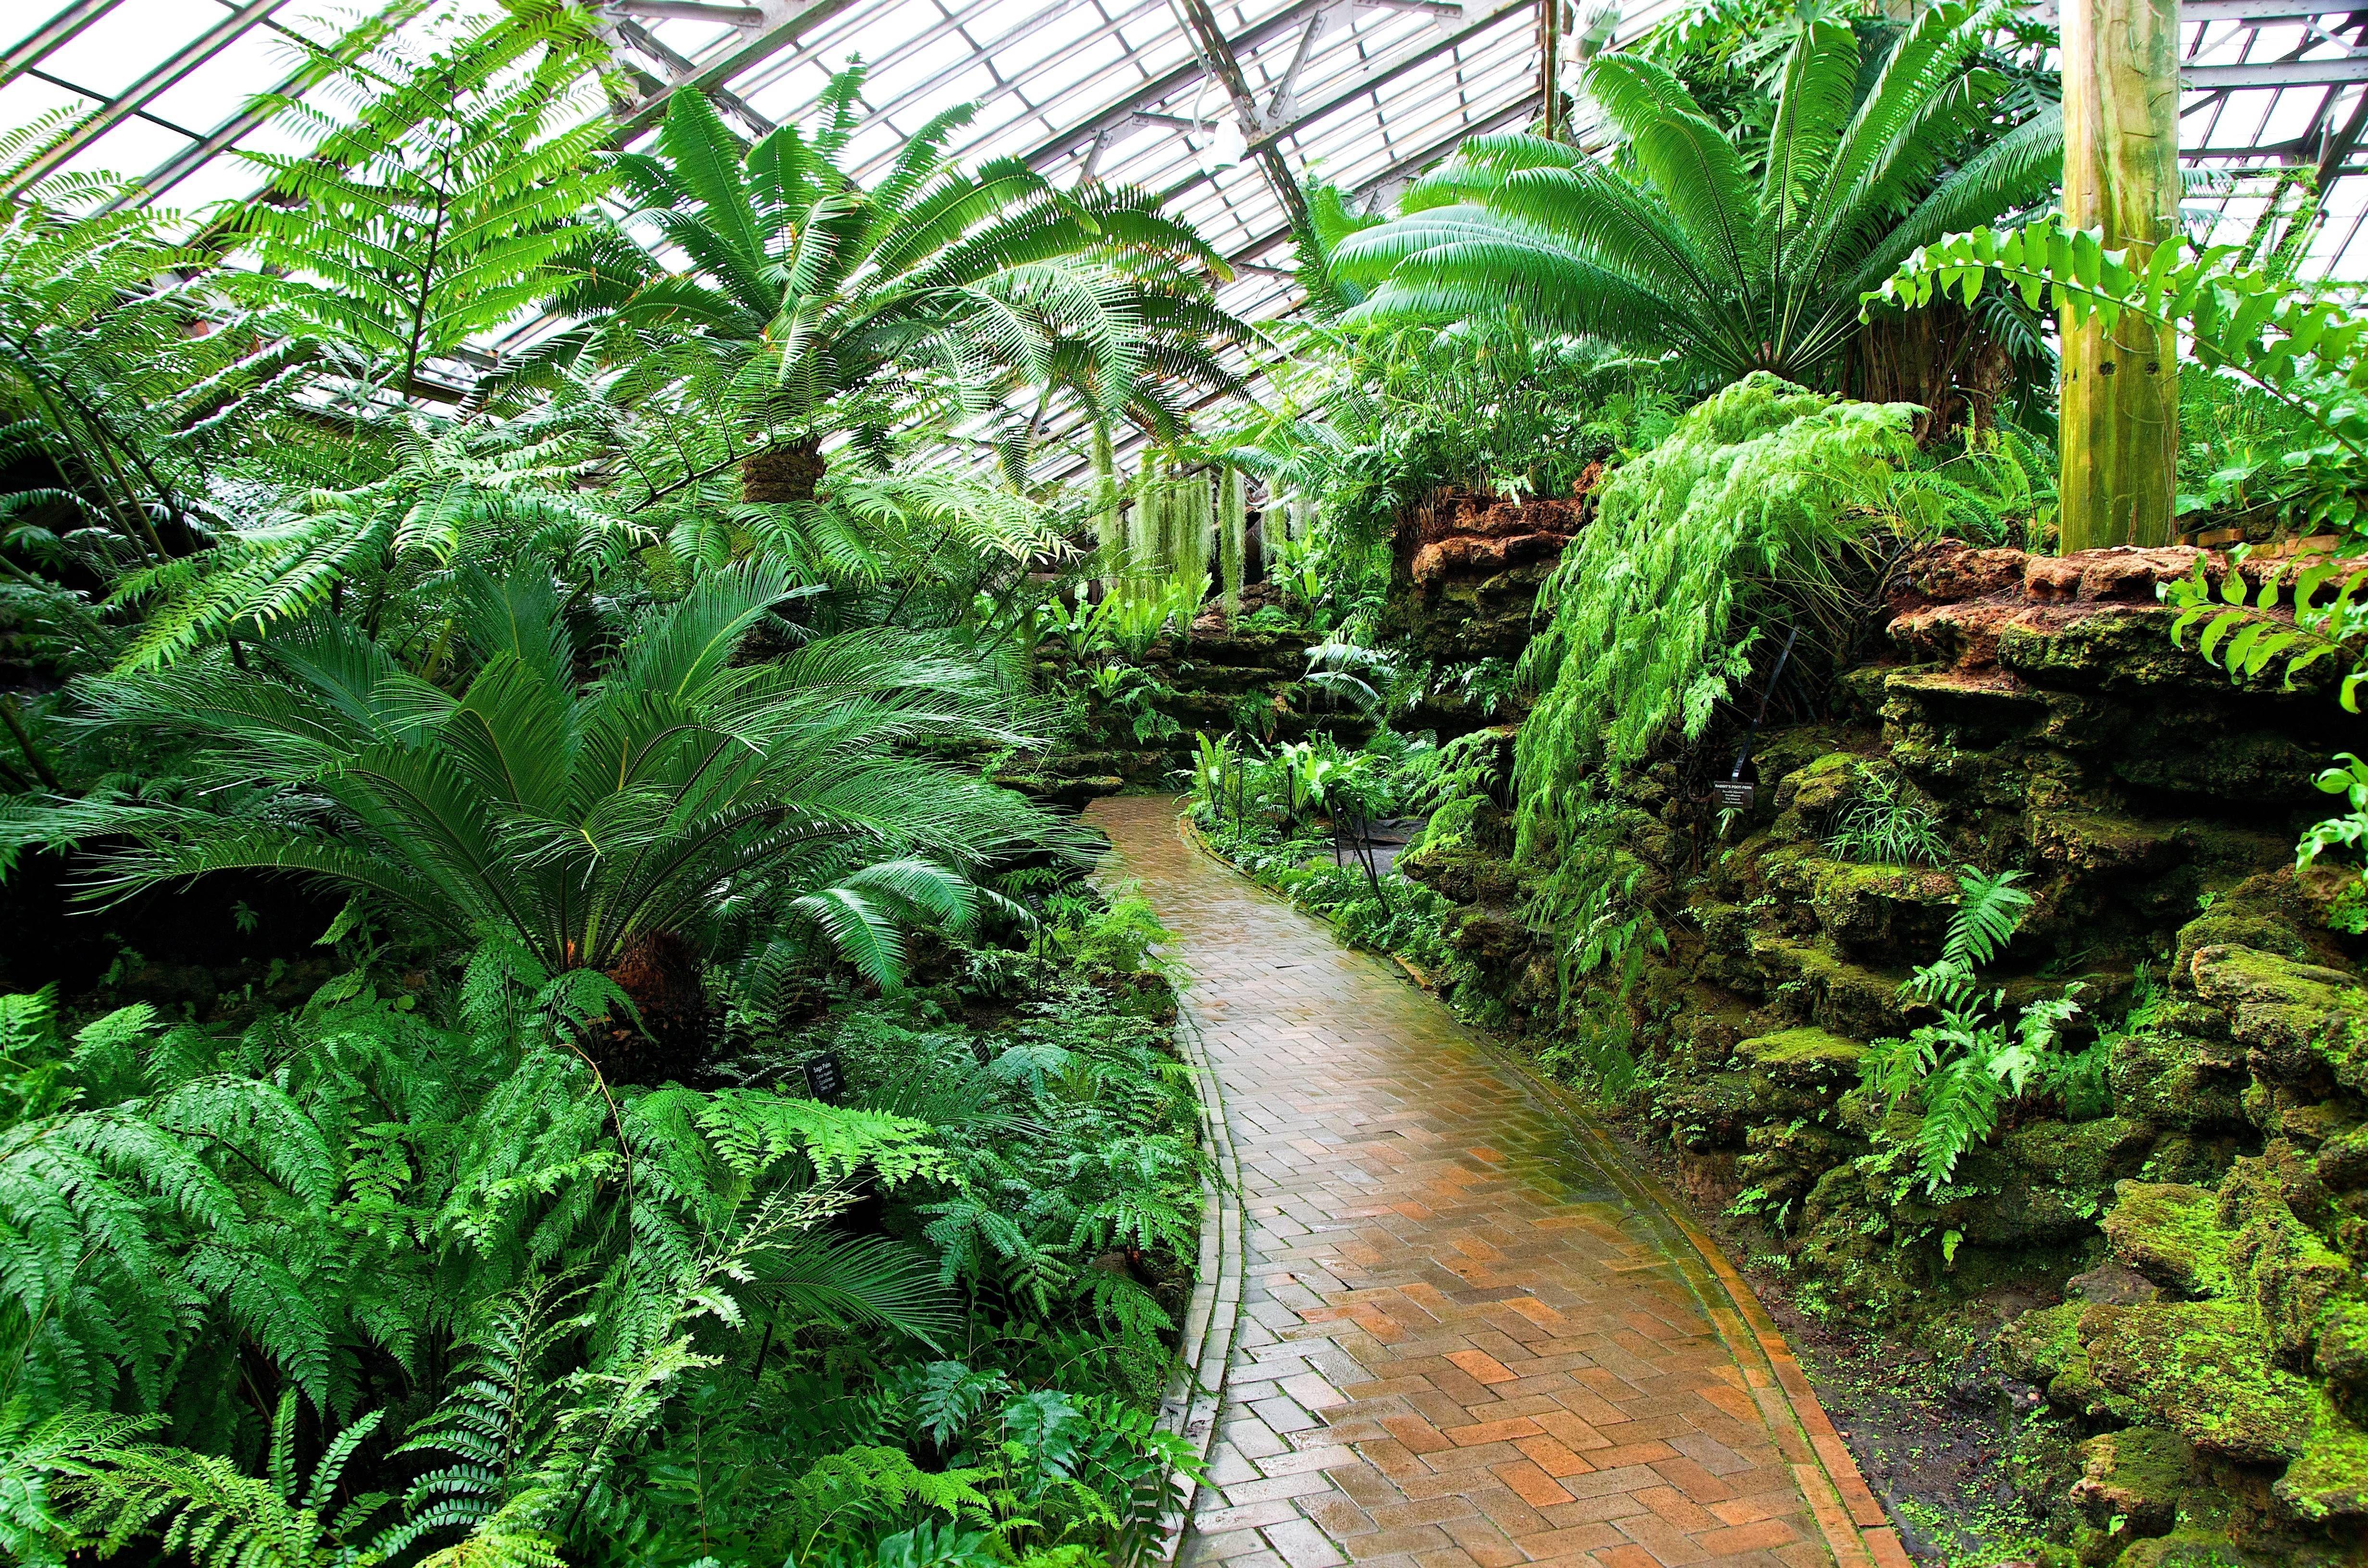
(55, 34)
(1382, 74)
(782, 23)
(1227, 69)
(164, 75)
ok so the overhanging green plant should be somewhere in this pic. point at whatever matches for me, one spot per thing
(1751, 506)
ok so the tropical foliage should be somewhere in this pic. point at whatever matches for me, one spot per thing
(597, 794)
(1672, 246)
(2305, 346)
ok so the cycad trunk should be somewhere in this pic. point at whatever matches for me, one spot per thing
(663, 975)
(1937, 358)
(790, 472)
(2121, 172)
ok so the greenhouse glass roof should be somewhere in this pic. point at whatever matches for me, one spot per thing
(1218, 104)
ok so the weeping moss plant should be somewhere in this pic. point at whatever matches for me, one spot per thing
(1233, 536)
(1758, 501)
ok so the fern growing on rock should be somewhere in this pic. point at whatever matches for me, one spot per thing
(1962, 1068)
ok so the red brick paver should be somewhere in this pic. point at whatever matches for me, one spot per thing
(1465, 1341)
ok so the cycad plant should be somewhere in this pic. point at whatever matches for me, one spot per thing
(633, 822)
(1669, 244)
(807, 304)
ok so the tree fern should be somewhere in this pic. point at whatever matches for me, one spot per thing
(448, 204)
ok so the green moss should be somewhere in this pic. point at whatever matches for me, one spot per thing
(2177, 1081)
(1848, 998)
(1809, 799)
(2089, 841)
(2278, 1264)
(2199, 1369)
(2171, 1235)
(1809, 1057)
(2135, 1476)
(2340, 1354)
(1891, 905)
(2043, 1347)
(2330, 1480)
(2292, 1016)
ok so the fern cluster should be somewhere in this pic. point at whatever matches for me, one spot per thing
(378, 1280)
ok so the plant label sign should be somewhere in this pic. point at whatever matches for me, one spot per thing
(1733, 794)
(825, 1080)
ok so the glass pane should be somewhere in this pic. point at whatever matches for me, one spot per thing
(131, 40)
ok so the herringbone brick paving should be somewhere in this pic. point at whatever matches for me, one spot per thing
(1462, 1345)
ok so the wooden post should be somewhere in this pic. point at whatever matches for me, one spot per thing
(2119, 438)
(1549, 65)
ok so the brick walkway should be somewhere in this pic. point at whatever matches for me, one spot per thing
(1467, 1339)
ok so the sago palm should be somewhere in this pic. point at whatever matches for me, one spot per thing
(818, 305)
(1669, 244)
(625, 825)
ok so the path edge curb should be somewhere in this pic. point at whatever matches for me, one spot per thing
(1212, 1316)
(1857, 1530)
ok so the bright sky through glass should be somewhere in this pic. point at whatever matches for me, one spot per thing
(1360, 93)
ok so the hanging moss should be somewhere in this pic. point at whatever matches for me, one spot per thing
(1232, 537)
(1191, 520)
(1146, 529)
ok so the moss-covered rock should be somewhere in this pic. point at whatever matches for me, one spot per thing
(2088, 842)
(2043, 1347)
(1466, 874)
(1804, 1058)
(1836, 995)
(2329, 1481)
(2178, 1081)
(2130, 1481)
(1894, 907)
(1809, 799)
(2170, 1233)
(2343, 1161)
(1710, 1111)
(2296, 1019)
(2199, 1369)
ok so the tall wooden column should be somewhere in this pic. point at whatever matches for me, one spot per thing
(1549, 67)
(2120, 170)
